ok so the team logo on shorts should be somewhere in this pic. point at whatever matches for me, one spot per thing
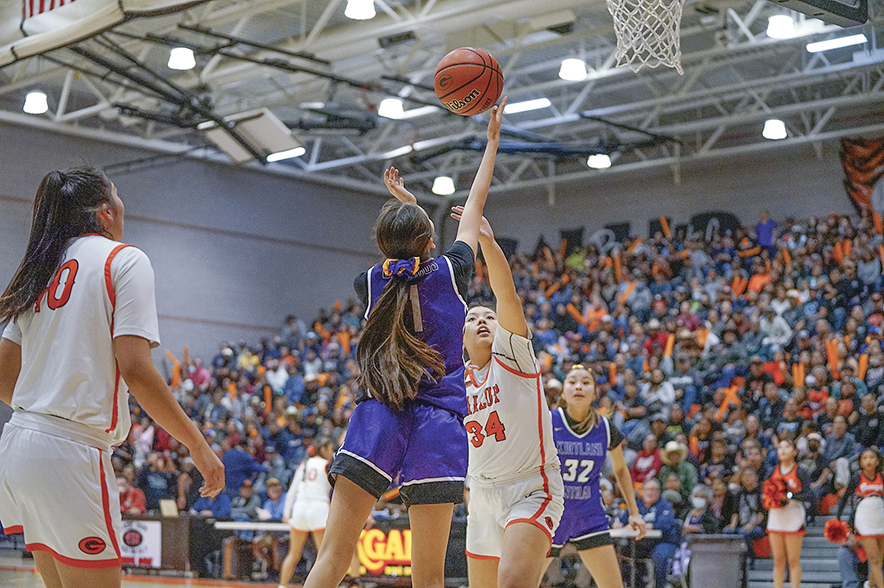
(92, 545)
(549, 522)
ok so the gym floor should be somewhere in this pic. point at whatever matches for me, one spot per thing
(19, 572)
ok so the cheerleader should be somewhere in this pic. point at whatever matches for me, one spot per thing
(784, 493)
(584, 439)
(306, 505)
(865, 491)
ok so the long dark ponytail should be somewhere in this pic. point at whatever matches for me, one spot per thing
(65, 207)
(392, 360)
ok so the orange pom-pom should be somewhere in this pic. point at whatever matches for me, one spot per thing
(836, 531)
(773, 493)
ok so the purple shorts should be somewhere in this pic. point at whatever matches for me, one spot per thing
(421, 448)
(584, 533)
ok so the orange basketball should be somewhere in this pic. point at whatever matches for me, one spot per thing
(468, 81)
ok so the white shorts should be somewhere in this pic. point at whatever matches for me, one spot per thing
(309, 515)
(869, 518)
(493, 508)
(788, 520)
(62, 495)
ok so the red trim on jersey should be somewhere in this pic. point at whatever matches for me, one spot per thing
(801, 532)
(112, 295)
(115, 417)
(516, 372)
(105, 505)
(869, 536)
(14, 530)
(543, 505)
(107, 274)
(534, 522)
(77, 563)
(472, 377)
(475, 556)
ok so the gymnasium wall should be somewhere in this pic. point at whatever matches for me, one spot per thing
(234, 250)
(788, 181)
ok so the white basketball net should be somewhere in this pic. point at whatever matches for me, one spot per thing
(647, 32)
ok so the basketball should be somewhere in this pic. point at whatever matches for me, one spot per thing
(468, 81)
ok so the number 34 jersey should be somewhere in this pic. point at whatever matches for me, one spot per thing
(69, 379)
(583, 458)
(508, 423)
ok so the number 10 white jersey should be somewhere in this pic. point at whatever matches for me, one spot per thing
(69, 383)
(508, 423)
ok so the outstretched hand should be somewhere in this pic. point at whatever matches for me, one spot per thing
(485, 231)
(396, 186)
(496, 119)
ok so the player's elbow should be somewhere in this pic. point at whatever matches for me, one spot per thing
(133, 359)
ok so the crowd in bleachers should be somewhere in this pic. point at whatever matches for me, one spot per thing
(707, 348)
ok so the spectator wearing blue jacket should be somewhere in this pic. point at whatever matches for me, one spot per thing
(239, 466)
(657, 513)
(275, 503)
(217, 507)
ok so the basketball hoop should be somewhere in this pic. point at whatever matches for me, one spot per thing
(647, 32)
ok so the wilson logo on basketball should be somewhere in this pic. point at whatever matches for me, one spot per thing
(456, 105)
(92, 545)
(444, 81)
(549, 523)
(132, 538)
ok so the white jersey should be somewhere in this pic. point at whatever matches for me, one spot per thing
(69, 382)
(508, 422)
(309, 483)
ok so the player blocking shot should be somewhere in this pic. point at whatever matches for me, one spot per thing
(408, 422)
(515, 482)
(82, 320)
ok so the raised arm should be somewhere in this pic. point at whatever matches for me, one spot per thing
(468, 230)
(509, 307)
(152, 393)
(396, 186)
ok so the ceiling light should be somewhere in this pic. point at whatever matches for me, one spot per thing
(287, 154)
(391, 108)
(527, 105)
(360, 9)
(780, 26)
(420, 111)
(35, 103)
(774, 129)
(443, 186)
(836, 43)
(573, 69)
(599, 161)
(181, 58)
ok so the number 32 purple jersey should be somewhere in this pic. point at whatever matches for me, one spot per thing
(582, 457)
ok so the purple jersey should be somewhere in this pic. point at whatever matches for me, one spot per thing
(438, 320)
(583, 457)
